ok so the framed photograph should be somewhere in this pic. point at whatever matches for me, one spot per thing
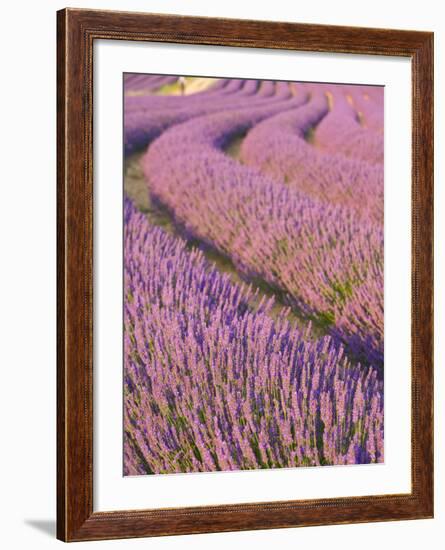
(245, 265)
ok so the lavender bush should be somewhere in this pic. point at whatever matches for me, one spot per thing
(215, 383)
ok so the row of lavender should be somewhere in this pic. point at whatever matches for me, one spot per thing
(323, 255)
(146, 117)
(343, 166)
(215, 383)
(143, 83)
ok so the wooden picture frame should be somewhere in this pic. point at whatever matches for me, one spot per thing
(76, 32)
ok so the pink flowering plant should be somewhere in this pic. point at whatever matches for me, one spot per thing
(253, 275)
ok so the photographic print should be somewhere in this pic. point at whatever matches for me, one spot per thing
(253, 274)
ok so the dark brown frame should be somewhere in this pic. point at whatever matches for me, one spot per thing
(76, 32)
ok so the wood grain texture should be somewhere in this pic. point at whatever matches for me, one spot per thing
(76, 32)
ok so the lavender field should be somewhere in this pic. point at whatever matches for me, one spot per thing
(253, 274)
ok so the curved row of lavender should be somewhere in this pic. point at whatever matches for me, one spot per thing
(279, 147)
(342, 131)
(141, 84)
(368, 104)
(147, 117)
(213, 382)
(297, 211)
(138, 83)
(325, 259)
